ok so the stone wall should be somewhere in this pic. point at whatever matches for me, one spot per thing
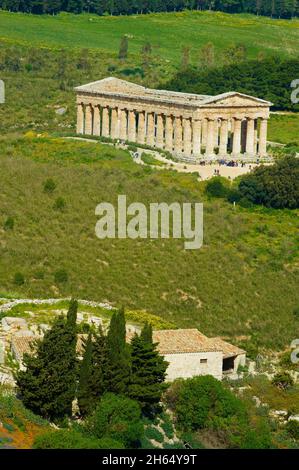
(186, 365)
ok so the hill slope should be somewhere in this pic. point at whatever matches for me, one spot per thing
(242, 284)
(167, 32)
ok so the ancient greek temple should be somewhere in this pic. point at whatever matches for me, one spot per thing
(191, 127)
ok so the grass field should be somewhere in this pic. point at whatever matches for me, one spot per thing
(242, 284)
(284, 128)
(168, 33)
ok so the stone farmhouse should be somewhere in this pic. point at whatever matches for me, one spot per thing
(192, 127)
(188, 351)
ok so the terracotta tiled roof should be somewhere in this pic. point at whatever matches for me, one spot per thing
(182, 341)
(229, 350)
(190, 341)
(21, 345)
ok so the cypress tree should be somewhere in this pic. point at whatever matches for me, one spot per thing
(85, 379)
(47, 385)
(118, 357)
(99, 366)
(72, 313)
(148, 371)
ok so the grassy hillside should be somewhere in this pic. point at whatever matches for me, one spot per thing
(167, 32)
(243, 284)
(40, 81)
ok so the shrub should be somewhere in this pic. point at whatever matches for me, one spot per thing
(167, 426)
(274, 186)
(59, 204)
(118, 418)
(216, 187)
(9, 224)
(49, 186)
(71, 439)
(292, 428)
(233, 195)
(203, 401)
(283, 380)
(153, 433)
(61, 276)
(19, 279)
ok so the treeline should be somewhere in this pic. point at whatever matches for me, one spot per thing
(274, 186)
(273, 8)
(269, 79)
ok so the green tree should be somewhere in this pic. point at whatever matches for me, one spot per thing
(274, 186)
(148, 371)
(47, 385)
(99, 378)
(117, 372)
(119, 418)
(72, 313)
(84, 393)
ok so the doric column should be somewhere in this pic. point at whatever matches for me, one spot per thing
(216, 133)
(243, 135)
(96, 121)
(132, 126)
(237, 137)
(263, 138)
(255, 136)
(204, 131)
(88, 119)
(223, 138)
(141, 128)
(150, 135)
(114, 123)
(168, 133)
(210, 138)
(250, 138)
(196, 127)
(105, 122)
(160, 131)
(187, 137)
(178, 135)
(123, 125)
(80, 118)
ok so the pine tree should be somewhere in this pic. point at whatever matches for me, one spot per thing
(148, 371)
(118, 358)
(85, 391)
(47, 385)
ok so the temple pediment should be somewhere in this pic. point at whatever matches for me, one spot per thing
(235, 99)
(112, 85)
